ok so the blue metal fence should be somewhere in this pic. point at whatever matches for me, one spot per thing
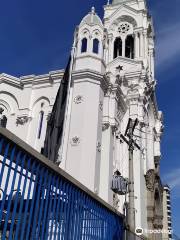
(40, 201)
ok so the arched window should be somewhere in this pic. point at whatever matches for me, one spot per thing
(3, 121)
(96, 46)
(129, 47)
(117, 47)
(41, 117)
(84, 45)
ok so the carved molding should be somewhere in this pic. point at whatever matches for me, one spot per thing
(98, 146)
(105, 126)
(155, 200)
(150, 179)
(21, 120)
(101, 105)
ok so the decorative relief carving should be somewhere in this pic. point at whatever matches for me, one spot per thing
(21, 120)
(75, 141)
(101, 105)
(98, 146)
(78, 99)
(114, 128)
(150, 180)
(105, 126)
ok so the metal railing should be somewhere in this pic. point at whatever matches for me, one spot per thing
(38, 200)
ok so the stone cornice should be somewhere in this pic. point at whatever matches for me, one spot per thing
(125, 60)
(51, 77)
(132, 75)
(8, 79)
(93, 56)
(87, 75)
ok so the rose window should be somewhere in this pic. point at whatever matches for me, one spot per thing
(123, 28)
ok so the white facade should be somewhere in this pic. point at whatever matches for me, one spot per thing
(113, 80)
(24, 99)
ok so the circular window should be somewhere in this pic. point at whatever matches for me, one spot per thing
(123, 28)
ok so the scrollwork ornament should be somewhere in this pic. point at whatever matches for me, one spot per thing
(78, 99)
(75, 141)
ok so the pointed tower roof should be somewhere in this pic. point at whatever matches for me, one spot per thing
(92, 18)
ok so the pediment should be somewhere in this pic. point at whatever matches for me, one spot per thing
(124, 10)
(128, 65)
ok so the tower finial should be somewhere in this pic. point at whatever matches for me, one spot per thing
(108, 2)
(93, 10)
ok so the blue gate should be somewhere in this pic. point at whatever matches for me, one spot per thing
(40, 201)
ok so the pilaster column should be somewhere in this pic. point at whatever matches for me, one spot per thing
(123, 46)
(136, 45)
(145, 43)
(111, 47)
(141, 44)
(151, 62)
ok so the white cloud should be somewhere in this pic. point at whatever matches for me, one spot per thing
(173, 180)
(168, 44)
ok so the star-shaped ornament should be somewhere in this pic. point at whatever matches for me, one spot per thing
(119, 68)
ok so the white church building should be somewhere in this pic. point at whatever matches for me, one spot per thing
(112, 80)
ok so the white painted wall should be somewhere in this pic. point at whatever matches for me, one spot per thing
(24, 98)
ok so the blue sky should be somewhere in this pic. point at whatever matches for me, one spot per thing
(36, 37)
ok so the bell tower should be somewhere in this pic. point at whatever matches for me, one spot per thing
(83, 152)
(129, 35)
(112, 81)
(129, 58)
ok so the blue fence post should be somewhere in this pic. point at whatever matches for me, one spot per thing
(48, 219)
(46, 206)
(32, 203)
(57, 217)
(54, 207)
(22, 199)
(22, 161)
(6, 183)
(41, 204)
(26, 212)
(10, 196)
